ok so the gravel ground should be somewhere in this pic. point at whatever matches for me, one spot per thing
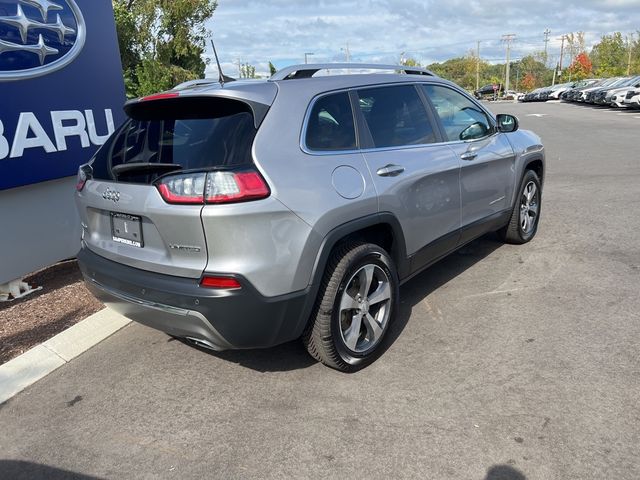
(62, 302)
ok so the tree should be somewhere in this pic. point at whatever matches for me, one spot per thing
(461, 70)
(528, 82)
(161, 42)
(610, 56)
(533, 68)
(409, 62)
(247, 71)
(581, 67)
(272, 68)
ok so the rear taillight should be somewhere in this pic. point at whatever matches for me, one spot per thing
(225, 283)
(213, 187)
(185, 188)
(84, 174)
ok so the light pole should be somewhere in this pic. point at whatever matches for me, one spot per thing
(307, 54)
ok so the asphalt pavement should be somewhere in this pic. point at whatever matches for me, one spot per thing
(507, 362)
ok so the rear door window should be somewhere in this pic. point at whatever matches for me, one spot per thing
(330, 126)
(396, 116)
(192, 136)
(461, 118)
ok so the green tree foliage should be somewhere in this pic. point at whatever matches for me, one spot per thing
(272, 68)
(409, 62)
(161, 42)
(533, 68)
(461, 70)
(247, 71)
(610, 56)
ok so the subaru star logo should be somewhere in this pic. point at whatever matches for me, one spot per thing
(38, 37)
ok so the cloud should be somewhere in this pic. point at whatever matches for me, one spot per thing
(281, 31)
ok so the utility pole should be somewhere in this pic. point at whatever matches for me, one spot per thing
(508, 38)
(561, 53)
(547, 32)
(629, 40)
(478, 66)
(307, 54)
(239, 69)
(348, 53)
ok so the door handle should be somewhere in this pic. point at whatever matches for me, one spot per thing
(469, 155)
(390, 171)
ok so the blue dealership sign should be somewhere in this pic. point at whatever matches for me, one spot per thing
(61, 86)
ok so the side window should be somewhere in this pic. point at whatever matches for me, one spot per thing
(460, 117)
(330, 125)
(395, 116)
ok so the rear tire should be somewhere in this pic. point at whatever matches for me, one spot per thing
(355, 306)
(523, 223)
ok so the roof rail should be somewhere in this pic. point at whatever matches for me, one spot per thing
(308, 70)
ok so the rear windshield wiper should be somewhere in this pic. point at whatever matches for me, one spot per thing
(144, 167)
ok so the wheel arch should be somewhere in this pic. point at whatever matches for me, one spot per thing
(537, 165)
(382, 229)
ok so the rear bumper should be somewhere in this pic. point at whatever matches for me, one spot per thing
(219, 319)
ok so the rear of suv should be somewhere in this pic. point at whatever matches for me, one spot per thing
(250, 214)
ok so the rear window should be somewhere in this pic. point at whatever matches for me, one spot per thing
(190, 135)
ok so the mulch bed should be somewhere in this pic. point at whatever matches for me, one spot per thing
(31, 320)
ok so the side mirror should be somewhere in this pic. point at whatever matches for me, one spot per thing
(507, 123)
(473, 131)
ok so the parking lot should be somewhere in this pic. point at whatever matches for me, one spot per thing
(507, 362)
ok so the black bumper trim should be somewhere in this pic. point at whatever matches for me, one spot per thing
(227, 319)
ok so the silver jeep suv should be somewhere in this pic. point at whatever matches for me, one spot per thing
(252, 213)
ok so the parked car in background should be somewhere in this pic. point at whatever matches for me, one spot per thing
(588, 93)
(632, 99)
(614, 97)
(263, 211)
(488, 91)
(573, 94)
(557, 90)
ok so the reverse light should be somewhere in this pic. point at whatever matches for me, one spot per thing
(225, 283)
(214, 187)
(228, 187)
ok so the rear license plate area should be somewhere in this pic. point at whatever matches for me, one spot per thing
(127, 229)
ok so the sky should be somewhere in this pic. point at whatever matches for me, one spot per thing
(381, 31)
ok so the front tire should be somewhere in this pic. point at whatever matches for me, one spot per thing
(356, 303)
(523, 224)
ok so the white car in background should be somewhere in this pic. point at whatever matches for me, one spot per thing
(558, 90)
(632, 99)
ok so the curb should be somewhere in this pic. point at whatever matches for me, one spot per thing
(40, 361)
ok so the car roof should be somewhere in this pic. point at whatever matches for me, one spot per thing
(264, 91)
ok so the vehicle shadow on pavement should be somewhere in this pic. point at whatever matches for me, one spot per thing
(293, 356)
(418, 288)
(17, 470)
(504, 472)
(281, 358)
